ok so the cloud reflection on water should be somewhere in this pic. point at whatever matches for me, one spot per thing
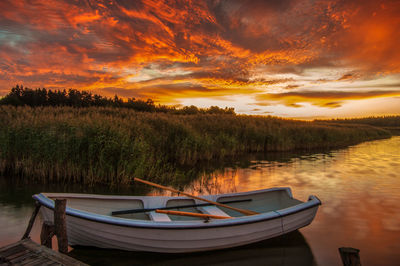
(359, 188)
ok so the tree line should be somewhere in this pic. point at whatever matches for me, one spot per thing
(23, 96)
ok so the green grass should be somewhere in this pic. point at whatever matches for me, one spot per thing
(111, 145)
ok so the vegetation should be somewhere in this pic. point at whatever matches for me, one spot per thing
(20, 96)
(110, 145)
(391, 123)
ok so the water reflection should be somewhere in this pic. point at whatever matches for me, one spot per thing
(291, 249)
(359, 187)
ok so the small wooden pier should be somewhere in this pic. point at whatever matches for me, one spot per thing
(27, 252)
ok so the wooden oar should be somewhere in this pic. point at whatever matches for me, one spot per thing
(174, 207)
(246, 212)
(192, 214)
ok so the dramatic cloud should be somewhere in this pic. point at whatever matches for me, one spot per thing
(331, 99)
(174, 51)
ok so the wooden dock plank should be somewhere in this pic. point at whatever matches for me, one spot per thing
(17, 256)
(21, 258)
(26, 252)
(11, 249)
(29, 260)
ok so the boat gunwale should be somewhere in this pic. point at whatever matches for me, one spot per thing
(312, 202)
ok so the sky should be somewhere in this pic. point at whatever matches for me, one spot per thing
(290, 58)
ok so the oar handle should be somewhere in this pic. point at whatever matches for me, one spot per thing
(246, 212)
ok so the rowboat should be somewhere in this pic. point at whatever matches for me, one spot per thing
(156, 223)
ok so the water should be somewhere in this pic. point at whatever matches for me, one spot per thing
(359, 187)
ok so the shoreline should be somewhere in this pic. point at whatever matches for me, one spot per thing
(97, 145)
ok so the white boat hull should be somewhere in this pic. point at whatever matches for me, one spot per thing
(181, 237)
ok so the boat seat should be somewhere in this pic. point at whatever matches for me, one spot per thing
(159, 217)
(213, 210)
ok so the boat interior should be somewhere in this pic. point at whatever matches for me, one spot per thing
(143, 208)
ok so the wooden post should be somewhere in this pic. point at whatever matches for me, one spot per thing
(60, 225)
(47, 234)
(32, 220)
(350, 256)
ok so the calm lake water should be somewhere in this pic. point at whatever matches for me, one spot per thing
(359, 187)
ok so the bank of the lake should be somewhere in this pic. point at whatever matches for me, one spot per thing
(97, 145)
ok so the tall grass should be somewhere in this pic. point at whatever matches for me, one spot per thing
(389, 122)
(111, 145)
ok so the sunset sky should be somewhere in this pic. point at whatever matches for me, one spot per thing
(290, 58)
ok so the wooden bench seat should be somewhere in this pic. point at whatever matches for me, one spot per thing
(213, 210)
(159, 217)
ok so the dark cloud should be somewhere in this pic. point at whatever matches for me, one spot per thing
(348, 76)
(292, 86)
(173, 88)
(121, 92)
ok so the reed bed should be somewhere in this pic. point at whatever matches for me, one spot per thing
(389, 122)
(98, 145)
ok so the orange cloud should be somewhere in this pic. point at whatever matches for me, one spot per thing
(329, 99)
(171, 50)
(368, 35)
